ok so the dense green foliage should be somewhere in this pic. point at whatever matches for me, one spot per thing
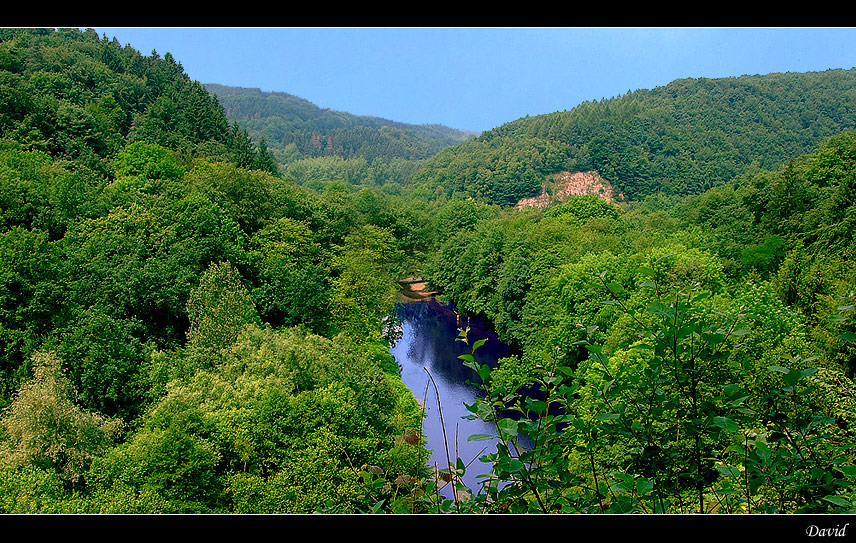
(494, 169)
(181, 330)
(694, 354)
(192, 323)
(80, 97)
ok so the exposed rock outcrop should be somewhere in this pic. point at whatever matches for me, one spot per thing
(560, 187)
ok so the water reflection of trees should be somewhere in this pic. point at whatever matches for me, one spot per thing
(433, 344)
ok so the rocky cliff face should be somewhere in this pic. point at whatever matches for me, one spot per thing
(560, 187)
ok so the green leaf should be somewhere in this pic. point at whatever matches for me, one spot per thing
(792, 377)
(536, 405)
(840, 501)
(615, 288)
(478, 344)
(460, 467)
(593, 348)
(847, 336)
(701, 296)
(508, 427)
(729, 471)
(623, 477)
(726, 424)
(480, 437)
(644, 486)
(509, 465)
(714, 339)
(660, 309)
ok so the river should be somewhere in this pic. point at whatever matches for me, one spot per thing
(427, 334)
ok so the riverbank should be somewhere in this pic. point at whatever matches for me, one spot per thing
(415, 288)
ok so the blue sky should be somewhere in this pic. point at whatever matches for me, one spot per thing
(480, 78)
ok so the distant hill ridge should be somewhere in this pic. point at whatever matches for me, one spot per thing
(682, 138)
(295, 128)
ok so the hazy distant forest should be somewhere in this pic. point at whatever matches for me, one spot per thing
(194, 283)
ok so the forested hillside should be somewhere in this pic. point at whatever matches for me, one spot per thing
(304, 137)
(189, 324)
(682, 138)
(698, 351)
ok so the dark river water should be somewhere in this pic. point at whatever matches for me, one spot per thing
(428, 330)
